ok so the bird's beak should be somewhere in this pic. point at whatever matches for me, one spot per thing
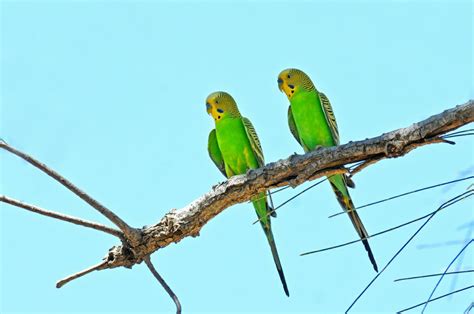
(208, 108)
(280, 84)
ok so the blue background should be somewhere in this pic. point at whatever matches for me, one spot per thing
(111, 94)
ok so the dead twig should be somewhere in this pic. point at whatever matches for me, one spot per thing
(403, 194)
(132, 235)
(436, 275)
(450, 202)
(442, 276)
(63, 217)
(163, 283)
(100, 266)
(437, 298)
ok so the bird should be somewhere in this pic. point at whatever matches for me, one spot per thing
(312, 122)
(234, 148)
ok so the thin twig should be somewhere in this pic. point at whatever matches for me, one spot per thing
(403, 194)
(469, 308)
(346, 169)
(444, 205)
(436, 275)
(369, 236)
(342, 170)
(458, 135)
(437, 298)
(458, 132)
(442, 276)
(292, 198)
(100, 266)
(63, 217)
(130, 233)
(460, 261)
(330, 172)
(163, 283)
(364, 165)
(378, 233)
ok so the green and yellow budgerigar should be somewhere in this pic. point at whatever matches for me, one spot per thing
(235, 148)
(312, 123)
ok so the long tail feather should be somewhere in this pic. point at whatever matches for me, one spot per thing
(363, 235)
(346, 203)
(262, 208)
(276, 258)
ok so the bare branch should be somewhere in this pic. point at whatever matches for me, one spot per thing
(71, 219)
(130, 233)
(442, 276)
(291, 198)
(163, 283)
(436, 275)
(437, 298)
(293, 171)
(100, 266)
(447, 204)
(444, 205)
(469, 308)
(401, 195)
(364, 165)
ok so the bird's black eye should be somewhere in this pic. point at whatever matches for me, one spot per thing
(220, 110)
(217, 102)
(288, 76)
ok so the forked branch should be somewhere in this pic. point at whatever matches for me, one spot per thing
(132, 235)
(293, 171)
(71, 219)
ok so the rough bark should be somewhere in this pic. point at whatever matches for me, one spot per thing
(295, 170)
(138, 244)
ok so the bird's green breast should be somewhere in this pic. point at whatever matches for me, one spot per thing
(310, 120)
(235, 145)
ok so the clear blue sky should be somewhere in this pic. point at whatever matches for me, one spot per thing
(111, 94)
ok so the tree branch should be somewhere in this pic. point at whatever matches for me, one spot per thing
(436, 275)
(163, 283)
(437, 298)
(71, 219)
(84, 272)
(131, 234)
(293, 171)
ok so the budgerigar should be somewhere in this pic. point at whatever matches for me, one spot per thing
(312, 123)
(235, 148)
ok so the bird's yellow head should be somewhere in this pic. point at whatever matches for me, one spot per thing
(221, 105)
(290, 81)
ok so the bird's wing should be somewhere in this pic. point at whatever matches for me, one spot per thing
(292, 125)
(330, 118)
(215, 152)
(254, 141)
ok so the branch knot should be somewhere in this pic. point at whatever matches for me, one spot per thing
(395, 149)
